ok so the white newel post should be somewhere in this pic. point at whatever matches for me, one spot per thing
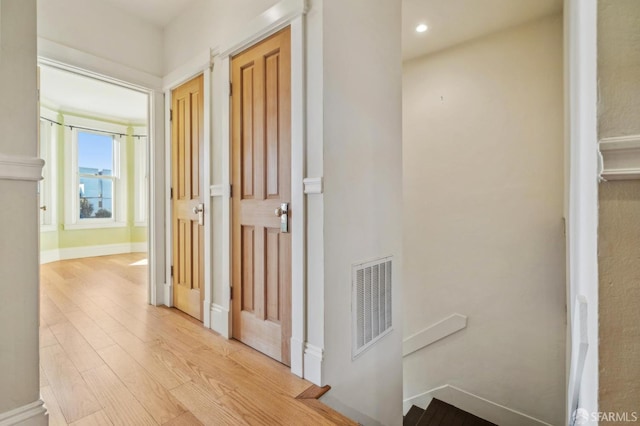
(20, 171)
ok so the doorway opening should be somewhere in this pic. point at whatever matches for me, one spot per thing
(94, 196)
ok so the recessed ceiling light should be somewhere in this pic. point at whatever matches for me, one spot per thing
(422, 28)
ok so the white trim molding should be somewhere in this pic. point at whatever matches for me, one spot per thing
(220, 320)
(313, 185)
(189, 70)
(285, 13)
(581, 325)
(48, 256)
(313, 356)
(474, 404)
(446, 327)
(168, 294)
(270, 21)
(220, 190)
(34, 413)
(581, 197)
(17, 167)
(620, 158)
(58, 55)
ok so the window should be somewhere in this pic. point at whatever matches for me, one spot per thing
(96, 179)
(141, 173)
(47, 186)
(95, 174)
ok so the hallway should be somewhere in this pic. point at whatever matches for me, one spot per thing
(109, 358)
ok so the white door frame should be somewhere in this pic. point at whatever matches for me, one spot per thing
(201, 64)
(62, 57)
(581, 204)
(286, 13)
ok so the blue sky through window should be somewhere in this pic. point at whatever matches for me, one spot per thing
(95, 151)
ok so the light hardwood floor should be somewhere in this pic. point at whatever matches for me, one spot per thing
(107, 357)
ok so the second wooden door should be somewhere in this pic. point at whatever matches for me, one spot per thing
(261, 137)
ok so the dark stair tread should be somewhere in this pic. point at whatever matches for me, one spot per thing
(412, 416)
(439, 413)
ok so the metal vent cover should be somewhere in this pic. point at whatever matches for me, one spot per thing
(370, 303)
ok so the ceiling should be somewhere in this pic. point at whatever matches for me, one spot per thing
(158, 12)
(452, 22)
(74, 93)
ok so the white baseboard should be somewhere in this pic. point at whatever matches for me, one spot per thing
(433, 333)
(347, 411)
(48, 256)
(476, 405)
(297, 357)
(206, 313)
(220, 320)
(34, 414)
(313, 356)
(168, 295)
(139, 247)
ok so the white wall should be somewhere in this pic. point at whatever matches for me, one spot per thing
(363, 193)
(619, 209)
(101, 29)
(207, 24)
(354, 137)
(19, 268)
(483, 207)
(618, 65)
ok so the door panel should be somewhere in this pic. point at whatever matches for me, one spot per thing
(261, 138)
(187, 143)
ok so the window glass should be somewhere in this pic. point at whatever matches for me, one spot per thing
(96, 177)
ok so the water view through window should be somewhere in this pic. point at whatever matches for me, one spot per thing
(95, 170)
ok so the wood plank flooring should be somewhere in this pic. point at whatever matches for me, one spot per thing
(109, 358)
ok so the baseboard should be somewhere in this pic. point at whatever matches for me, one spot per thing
(347, 411)
(220, 320)
(168, 295)
(476, 405)
(297, 357)
(142, 247)
(34, 414)
(313, 356)
(446, 327)
(48, 256)
(207, 310)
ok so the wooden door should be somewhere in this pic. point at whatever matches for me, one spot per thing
(261, 137)
(187, 187)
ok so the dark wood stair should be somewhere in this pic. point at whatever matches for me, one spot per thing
(440, 413)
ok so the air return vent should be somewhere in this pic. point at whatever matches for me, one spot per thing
(371, 303)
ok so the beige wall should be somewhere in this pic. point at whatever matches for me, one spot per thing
(19, 272)
(483, 207)
(618, 67)
(362, 162)
(619, 264)
(619, 227)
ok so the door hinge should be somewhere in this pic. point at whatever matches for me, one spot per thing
(171, 194)
(230, 292)
(171, 115)
(172, 270)
(230, 89)
(230, 191)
